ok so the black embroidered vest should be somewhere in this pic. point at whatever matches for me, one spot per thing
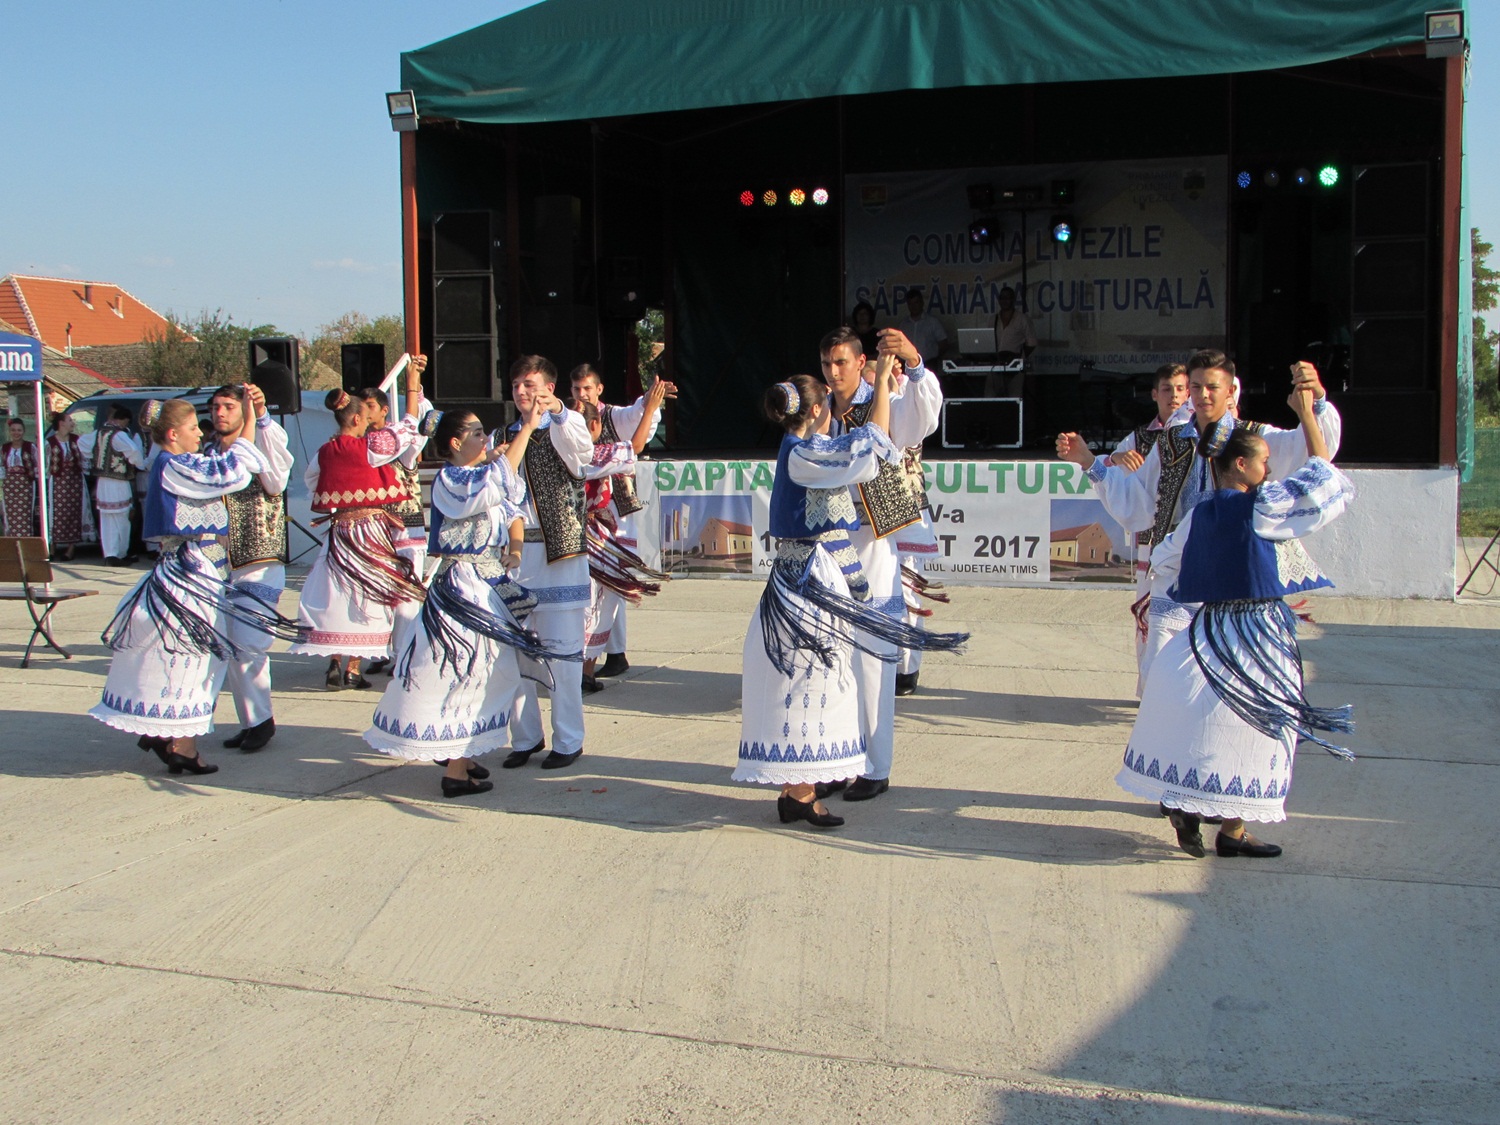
(558, 497)
(621, 485)
(107, 461)
(409, 510)
(1177, 449)
(257, 525)
(888, 500)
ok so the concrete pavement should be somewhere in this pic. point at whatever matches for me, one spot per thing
(313, 934)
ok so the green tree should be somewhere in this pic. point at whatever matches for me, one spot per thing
(356, 328)
(204, 352)
(1485, 296)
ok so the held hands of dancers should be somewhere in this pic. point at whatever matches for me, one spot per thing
(257, 400)
(1305, 377)
(893, 342)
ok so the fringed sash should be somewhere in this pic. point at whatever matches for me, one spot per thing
(616, 567)
(170, 596)
(1260, 677)
(362, 558)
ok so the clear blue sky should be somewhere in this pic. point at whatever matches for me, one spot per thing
(236, 154)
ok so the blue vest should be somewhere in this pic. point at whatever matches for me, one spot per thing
(164, 513)
(789, 511)
(1224, 560)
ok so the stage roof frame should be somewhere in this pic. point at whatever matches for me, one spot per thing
(570, 60)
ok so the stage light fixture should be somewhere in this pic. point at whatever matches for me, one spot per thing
(1445, 33)
(402, 108)
(1328, 175)
(1243, 180)
(1302, 177)
(820, 196)
(1062, 192)
(769, 198)
(982, 232)
(1271, 178)
(1062, 228)
(797, 197)
(747, 199)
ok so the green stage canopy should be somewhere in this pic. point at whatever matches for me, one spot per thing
(577, 59)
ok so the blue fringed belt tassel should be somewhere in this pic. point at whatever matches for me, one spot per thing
(1257, 670)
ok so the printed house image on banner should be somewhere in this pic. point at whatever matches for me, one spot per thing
(1085, 545)
(729, 542)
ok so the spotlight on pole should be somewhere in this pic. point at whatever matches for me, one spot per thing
(1062, 228)
(402, 107)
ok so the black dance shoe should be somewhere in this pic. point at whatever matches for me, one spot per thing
(614, 664)
(556, 761)
(790, 809)
(374, 667)
(591, 685)
(356, 680)
(906, 683)
(518, 758)
(162, 747)
(863, 788)
(333, 679)
(478, 773)
(829, 788)
(1189, 834)
(465, 787)
(182, 762)
(1245, 845)
(254, 738)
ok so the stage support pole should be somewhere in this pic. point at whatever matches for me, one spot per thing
(412, 303)
(1452, 234)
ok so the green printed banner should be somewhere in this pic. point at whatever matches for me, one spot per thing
(994, 523)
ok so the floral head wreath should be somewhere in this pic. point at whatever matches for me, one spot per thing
(429, 423)
(150, 412)
(793, 399)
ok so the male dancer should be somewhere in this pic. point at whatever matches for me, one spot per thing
(619, 424)
(350, 596)
(114, 455)
(1177, 472)
(884, 506)
(554, 557)
(257, 556)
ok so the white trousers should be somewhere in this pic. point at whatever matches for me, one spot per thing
(613, 619)
(249, 674)
(562, 631)
(876, 679)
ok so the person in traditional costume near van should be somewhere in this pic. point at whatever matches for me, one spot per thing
(616, 572)
(257, 546)
(801, 725)
(173, 633)
(1225, 705)
(349, 599)
(19, 465)
(554, 560)
(69, 499)
(1176, 473)
(114, 456)
(456, 677)
(884, 507)
(622, 424)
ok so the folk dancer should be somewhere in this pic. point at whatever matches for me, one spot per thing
(884, 506)
(554, 559)
(350, 596)
(114, 456)
(802, 724)
(1225, 704)
(19, 463)
(172, 634)
(457, 675)
(621, 424)
(257, 548)
(1177, 473)
(616, 572)
(72, 523)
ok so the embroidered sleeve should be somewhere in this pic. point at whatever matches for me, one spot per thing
(383, 446)
(836, 462)
(1130, 498)
(459, 492)
(1312, 497)
(610, 458)
(204, 476)
(271, 444)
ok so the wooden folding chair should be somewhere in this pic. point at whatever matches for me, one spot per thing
(23, 559)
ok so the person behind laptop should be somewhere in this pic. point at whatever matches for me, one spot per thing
(1014, 339)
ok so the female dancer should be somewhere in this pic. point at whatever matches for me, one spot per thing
(69, 508)
(799, 726)
(450, 697)
(19, 462)
(1223, 706)
(170, 635)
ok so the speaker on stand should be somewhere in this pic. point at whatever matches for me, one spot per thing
(273, 368)
(361, 366)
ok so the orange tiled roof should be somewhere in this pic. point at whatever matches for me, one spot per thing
(1062, 533)
(98, 313)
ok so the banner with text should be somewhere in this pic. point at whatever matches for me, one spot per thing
(996, 523)
(1139, 283)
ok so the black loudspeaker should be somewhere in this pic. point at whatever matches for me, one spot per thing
(557, 219)
(274, 369)
(363, 365)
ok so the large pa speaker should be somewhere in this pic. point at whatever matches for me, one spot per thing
(557, 221)
(981, 423)
(362, 365)
(274, 369)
